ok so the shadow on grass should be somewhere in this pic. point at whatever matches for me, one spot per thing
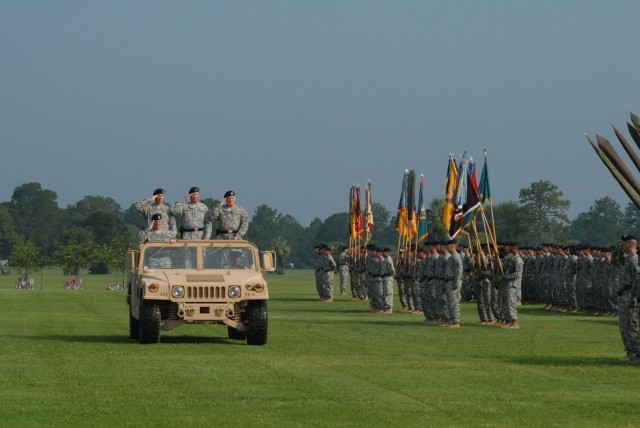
(126, 340)
(557, 361)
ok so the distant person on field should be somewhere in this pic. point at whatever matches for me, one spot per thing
(231, 220)
(192, 214)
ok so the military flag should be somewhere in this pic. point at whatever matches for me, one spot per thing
(352, 212)
(402, 218)
(423, 229)
(450, 188)
(412, 226)
(459, 199)
(472, 202)
(484, 189)
(369, 213)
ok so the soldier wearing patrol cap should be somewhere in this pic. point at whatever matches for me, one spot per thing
(192, 213)
(155, 205)
(231, 219)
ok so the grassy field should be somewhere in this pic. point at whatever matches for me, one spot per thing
(66, 360)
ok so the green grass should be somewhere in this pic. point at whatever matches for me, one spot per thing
(66, 360)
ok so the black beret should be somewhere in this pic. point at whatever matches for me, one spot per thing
(451, 241)
(156, 217)
(229, 193)
(193, 190)
(629, 238)
(386, 249)
(158, 192)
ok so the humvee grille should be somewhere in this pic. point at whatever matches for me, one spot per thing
(202, 292)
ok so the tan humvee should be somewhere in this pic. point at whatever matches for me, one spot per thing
(198, 282)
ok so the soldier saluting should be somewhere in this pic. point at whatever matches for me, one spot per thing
(231, 219)
(192, 213)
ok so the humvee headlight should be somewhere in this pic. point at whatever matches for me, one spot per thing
(177, 292)
(153, 287)
(234, 292)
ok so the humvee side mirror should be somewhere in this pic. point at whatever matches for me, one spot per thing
(131, 259)
(268, 260)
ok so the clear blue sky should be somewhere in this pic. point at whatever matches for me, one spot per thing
(290, 102)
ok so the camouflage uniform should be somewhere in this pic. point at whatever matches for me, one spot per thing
(441, 292)
(409, 275)
(194, 224)
(428, 298)
(627, 302)
(326, 277)
(232, 222)
(148, 209)
(387, 273)
(343, 269)
(400, 268)
(453, 285)
(512, 282)
(151, 235)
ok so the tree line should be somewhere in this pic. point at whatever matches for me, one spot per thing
(95, 232)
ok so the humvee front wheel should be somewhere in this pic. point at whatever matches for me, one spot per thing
(149, 323)
(258, 320)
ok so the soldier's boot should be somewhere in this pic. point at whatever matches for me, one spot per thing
(454, 325)
(629, 357)
(513, 325)
(445, 323)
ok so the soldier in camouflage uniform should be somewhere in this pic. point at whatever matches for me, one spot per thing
(231, 219)
(453, 284)
(318, 269)
(194, 225)
(429, 293)
(328, 272)
(363, 294)
(482, 277)
(354, 277)
(343, 269)
(409, 273)
(400, 268)
(512, 277)
(441, 291)
(372, 269)
(416, 293)
(467, 292)
(387, 273)
(156, 232)
(155, 205)
(628, 293)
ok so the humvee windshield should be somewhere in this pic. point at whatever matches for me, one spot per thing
(184, 257)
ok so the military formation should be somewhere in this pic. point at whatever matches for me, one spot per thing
(196, 218)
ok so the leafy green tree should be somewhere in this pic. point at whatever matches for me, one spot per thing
(282, 249)
(547, 211)
(512, 222)
(7, 231)
(114, 254)
(35, 213)
(101, 215)
(602, 224)
(268, 224)
(631, 220)
(26, 257)
(133, 219)
(335, 229)
(74, 256)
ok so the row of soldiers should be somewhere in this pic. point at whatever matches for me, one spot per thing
(432, 277)
(579, 279)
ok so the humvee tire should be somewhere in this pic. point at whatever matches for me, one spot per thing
(258, 320)
(134, 327)
(149, 322)
(235, 334)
